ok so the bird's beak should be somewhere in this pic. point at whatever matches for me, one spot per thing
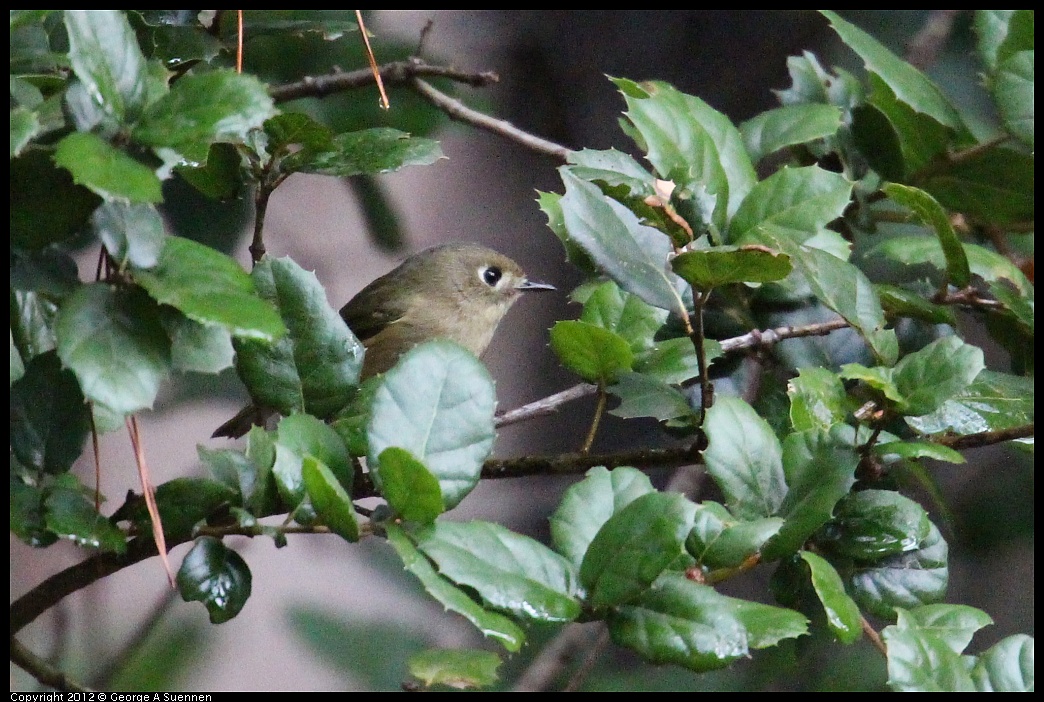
(530, 285)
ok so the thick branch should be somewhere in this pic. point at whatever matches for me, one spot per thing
(985, 438)
(42, 670)
(569, 463)
(396, 73)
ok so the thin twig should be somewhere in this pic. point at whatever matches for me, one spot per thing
(42, 671)
(553, 658)
(394, 73)
(603, 397)
(872, 634)
(547, 405)
(588, 664)
(457, 110)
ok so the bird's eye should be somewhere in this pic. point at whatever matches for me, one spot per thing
(491, 275)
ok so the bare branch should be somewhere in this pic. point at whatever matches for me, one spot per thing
(42, 670)
(984, 438)
(568, 463)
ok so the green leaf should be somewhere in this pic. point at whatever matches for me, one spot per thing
(47, 206)
(589, 504)
(634, 546)
(613, 168)
(106, 170)
(872, 524)
(905, 580)
(331, 501)
(842, 613)
(298, 437)
(914, 250)
(111, 338)
(674, 361)
(408, 486)
(1006, 667)
(132, 234)
(719, 540)
(633, 255)
(788, 125)
(932, 215)
(595, 354)
(795, 203)
(182, 503)
(371, 151)
(509, 571)
(203, 108)
(689, 624)
(1020, 306)
(627, 315)
(28, 520)
(457, 668)
(936, 373)
(924, 648)
(49, 419)
(195, 346)
(1001, 33)
(17, 367)
(690, 143)
(817, 399)
(712, 268)
(211, 288)
(315, 366)
(220, 178)
(25, 125)
(899, 302)
(909, 85)
(644, 396)
(745, 459)
(491, 624)
(216, 576)
(437, 402)
(1013, 91)
(70, 515)
(995, 185)
(993, 401)
(891, 451)
(105, 57)
(820, 470)
(843, 288)
(251, 480)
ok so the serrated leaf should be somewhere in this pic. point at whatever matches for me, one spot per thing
(105, 57)
(897, 301)
(238, 471)
(27, 514)
(203, 108)
(1008, 666)
(744, 458)
(370, 151)
(216, 576)
(195, 346)
(331, 501)
(587, 505)
(299, 436)
(408, 486)
(627, 315)
(932, 215)
(113, 341)
(49, 419)
(995, 185)
(182, 504)
(923, 653)
(132, 234)
(1013, 91)
(634, 546)
(633, 255)
(841, 611)
(69, 514)
(953, 624)
(690, 143)
(934, 374)
(993, 401)
(796, 201)
(458, 668)
(491, 624)
(595, 354)
(820, 470)
(905, 580)
(509, 571)
(711, 268)
(719, 540)
(817, 399)
(315, 366)
(689, 624)
(644, 396)
(437, 402)
(106, 170)
(909, 85)
(872, 524)
(612, 167)
(788, 125)
(211, 288)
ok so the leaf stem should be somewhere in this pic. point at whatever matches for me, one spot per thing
(603, 397)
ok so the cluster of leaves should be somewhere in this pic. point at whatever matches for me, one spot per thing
(700, 241)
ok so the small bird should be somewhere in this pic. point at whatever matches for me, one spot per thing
(457, 291)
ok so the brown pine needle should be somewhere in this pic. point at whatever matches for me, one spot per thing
(239, 42)
(97, 461)
(149, 493)
(373, 61)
